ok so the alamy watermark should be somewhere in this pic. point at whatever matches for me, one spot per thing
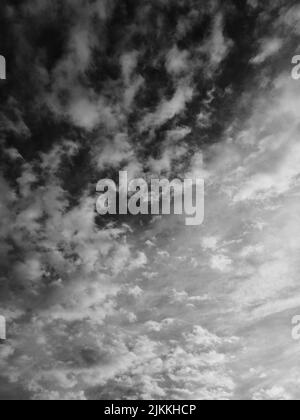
(158, 197)
(296, 68)
(296, 328)
(2, 68)
(2, 328)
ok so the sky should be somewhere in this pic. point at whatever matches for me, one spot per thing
(144, 307)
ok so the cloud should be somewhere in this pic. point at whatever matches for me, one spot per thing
(168, 109)
(115, 152)
(217, 45)
(129, 63)
(221, 263)
(277, 393)
(291, 18)
(143, 307)
(268, 48)
(85, 113)
(159, 326)
(177, 61)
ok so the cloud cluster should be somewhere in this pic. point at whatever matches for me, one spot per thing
(145, 308)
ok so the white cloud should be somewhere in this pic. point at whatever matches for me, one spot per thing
(291, 18)
(217, 45)
(168, 109)
(177, 61)
(277, 393)
(268, 48)
(221, 263)
(159, 326)
(84, 113)
(210, 243)
(112, 153)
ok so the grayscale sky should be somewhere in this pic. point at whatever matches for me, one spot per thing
(131, 307)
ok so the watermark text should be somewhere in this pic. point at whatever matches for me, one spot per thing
(296, 68)
(161, 197)
(2, 68)
(2, 328)
(296, 328)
